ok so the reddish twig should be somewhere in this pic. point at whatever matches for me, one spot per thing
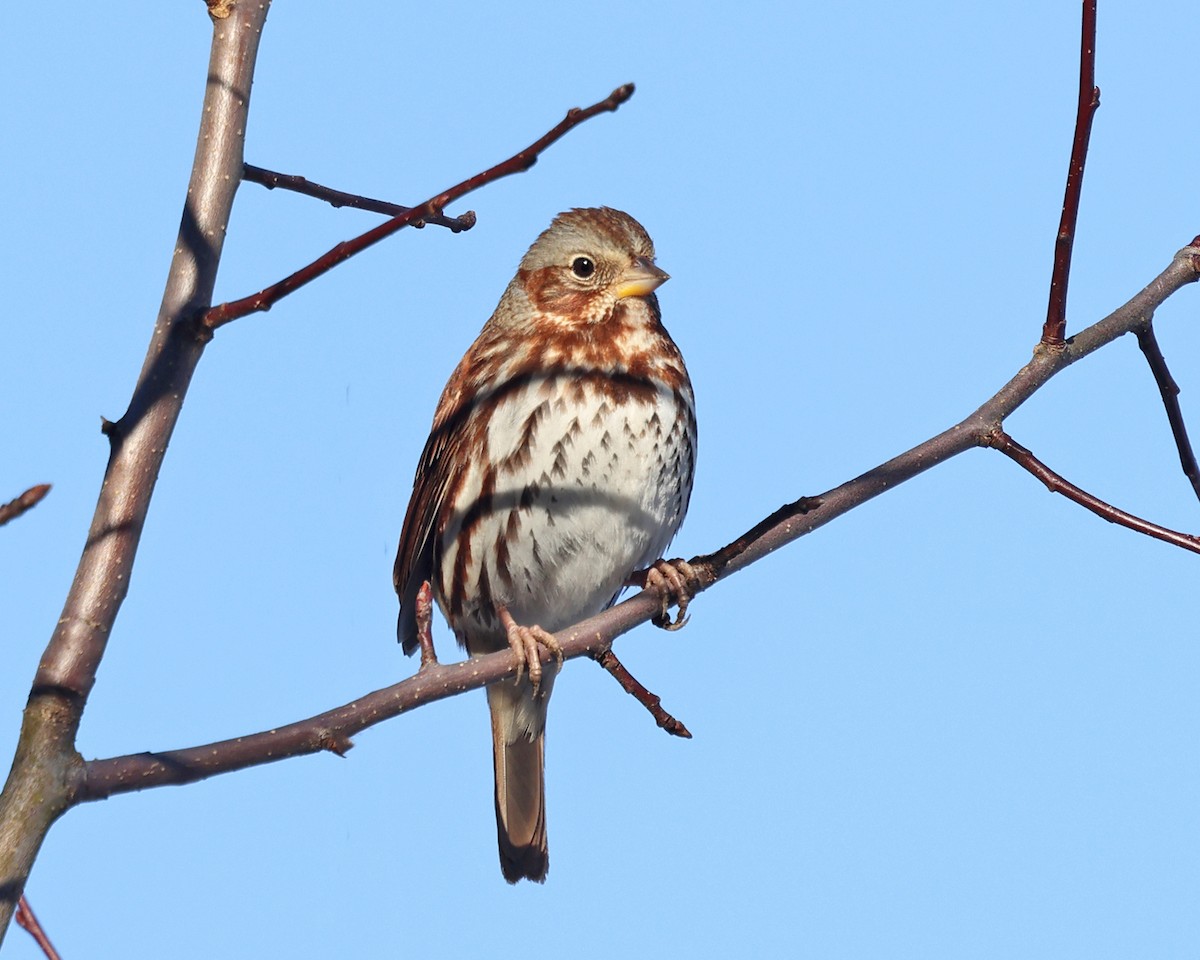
(29, 922)
(1169, 390)
(286, 181)
(652, 702)
(26, 501)
(518, 163)
(424, 609)
(1055, 328)
(1056, 484)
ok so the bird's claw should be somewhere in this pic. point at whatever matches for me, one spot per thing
(524, 643)
(675, 582)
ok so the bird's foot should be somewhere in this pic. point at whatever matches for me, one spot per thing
(524, 642)
(675, 582)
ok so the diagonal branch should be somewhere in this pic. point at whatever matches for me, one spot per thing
(28, 921)
(1089, 99)
(1058, 484)
(413, 216)
(333, 729)
(1169, 390)
(46, 761)
(338, 198)
(26, 501)
(632, 686)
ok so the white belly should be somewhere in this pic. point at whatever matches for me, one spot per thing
(588, 489)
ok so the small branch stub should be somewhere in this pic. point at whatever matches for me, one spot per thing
(338, 198)
(652, 702)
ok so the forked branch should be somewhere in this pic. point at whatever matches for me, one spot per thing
(339, 198)
(435, 681)
(412, 216)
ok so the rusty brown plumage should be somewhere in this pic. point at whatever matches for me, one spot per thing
(560, 461)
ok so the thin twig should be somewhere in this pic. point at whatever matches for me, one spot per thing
(1057, 484)
(26, 501)
(1055, 327)
(652, 702)
(297, 184)
(29, 922)
(1169, 390)
(433, 207)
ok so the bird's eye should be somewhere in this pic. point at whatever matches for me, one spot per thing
(582, 267)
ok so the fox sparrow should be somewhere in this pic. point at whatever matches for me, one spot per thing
(559, 464)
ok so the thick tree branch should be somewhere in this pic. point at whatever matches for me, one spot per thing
(26, 501)
(284, 181)
(1169, 390)
(46, 764)
(333, 729)
(1089, 99)
(413, 216)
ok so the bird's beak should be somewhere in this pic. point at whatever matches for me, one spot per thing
(640, 279)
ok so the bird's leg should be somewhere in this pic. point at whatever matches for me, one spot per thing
(424, 613)
(524, 642)
(675, 582)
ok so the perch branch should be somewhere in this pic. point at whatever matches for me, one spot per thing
(1089, 99)
(1169, 390)
(518, 163)
(1057, 484)
(103, 778)
(286, 181)
(26, 501)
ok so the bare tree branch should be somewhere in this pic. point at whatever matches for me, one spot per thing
(46, 762)
(284, 181)
(1057, 484)
(333, 729)
(26, 501)
(48, 776)
(413, 216)
(1089, 99)
(1169, 390)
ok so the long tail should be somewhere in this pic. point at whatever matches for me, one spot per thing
(518, 756)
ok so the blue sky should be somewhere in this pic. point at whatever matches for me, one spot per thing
(961, 721)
